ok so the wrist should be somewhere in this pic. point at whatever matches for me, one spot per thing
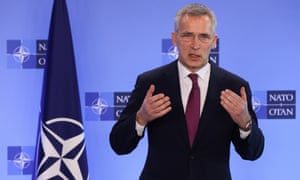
(140, 120)
(248, 126)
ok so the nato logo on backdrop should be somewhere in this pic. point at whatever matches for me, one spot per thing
(105, 106)
(20, 160)
(275, 104)
(170, 52)
(26, 54)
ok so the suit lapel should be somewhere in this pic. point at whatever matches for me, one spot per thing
(173, 91)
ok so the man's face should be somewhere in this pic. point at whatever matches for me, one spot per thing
(194, 40)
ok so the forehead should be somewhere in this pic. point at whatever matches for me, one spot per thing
(197, 24)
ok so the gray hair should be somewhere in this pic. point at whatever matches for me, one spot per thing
(195, 10)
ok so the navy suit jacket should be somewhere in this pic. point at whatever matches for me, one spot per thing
(170, 156)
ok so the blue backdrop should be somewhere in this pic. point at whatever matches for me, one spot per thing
(114, 41)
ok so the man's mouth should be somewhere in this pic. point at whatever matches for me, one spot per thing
(194, 55)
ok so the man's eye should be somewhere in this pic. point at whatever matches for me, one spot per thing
(187, 35)
(204, 36)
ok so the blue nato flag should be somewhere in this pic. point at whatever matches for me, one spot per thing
(61, 147)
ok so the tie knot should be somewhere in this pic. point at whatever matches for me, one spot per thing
(194, 77)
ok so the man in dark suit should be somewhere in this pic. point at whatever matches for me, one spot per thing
(159, 103)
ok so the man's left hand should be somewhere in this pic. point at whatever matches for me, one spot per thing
(236, 106)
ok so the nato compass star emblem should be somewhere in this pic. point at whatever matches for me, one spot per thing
(173, 52)
(21, 54)
(22, 160)
(256, 104)
(99, 106)
(62, 151)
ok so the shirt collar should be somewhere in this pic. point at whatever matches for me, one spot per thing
(184, 72)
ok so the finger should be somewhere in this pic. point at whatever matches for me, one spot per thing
(243, 93)
(228, 96)
(229, 100)
(224, 100)
(159, 103)
(150, 91)
(165, 103)
(165, 111)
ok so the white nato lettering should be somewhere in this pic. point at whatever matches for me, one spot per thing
(42, 46)
(118, 112)
(122, 99)
(281, 111)
(42, 61)
(281, 97)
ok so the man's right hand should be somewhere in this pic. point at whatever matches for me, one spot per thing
(153, 107)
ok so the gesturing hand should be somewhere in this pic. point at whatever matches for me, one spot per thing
(236, 106)
(153, 106)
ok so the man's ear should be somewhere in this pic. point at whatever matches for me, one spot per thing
(215, 39)
(174, 39)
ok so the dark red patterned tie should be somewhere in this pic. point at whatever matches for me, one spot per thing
(192, 112)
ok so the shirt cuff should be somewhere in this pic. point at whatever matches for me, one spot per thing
(139, 128)
(244, 134)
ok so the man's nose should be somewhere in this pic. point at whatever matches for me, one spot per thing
(196, 43)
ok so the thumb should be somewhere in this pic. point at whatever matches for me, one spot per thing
(150, 91)
(243, 93)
